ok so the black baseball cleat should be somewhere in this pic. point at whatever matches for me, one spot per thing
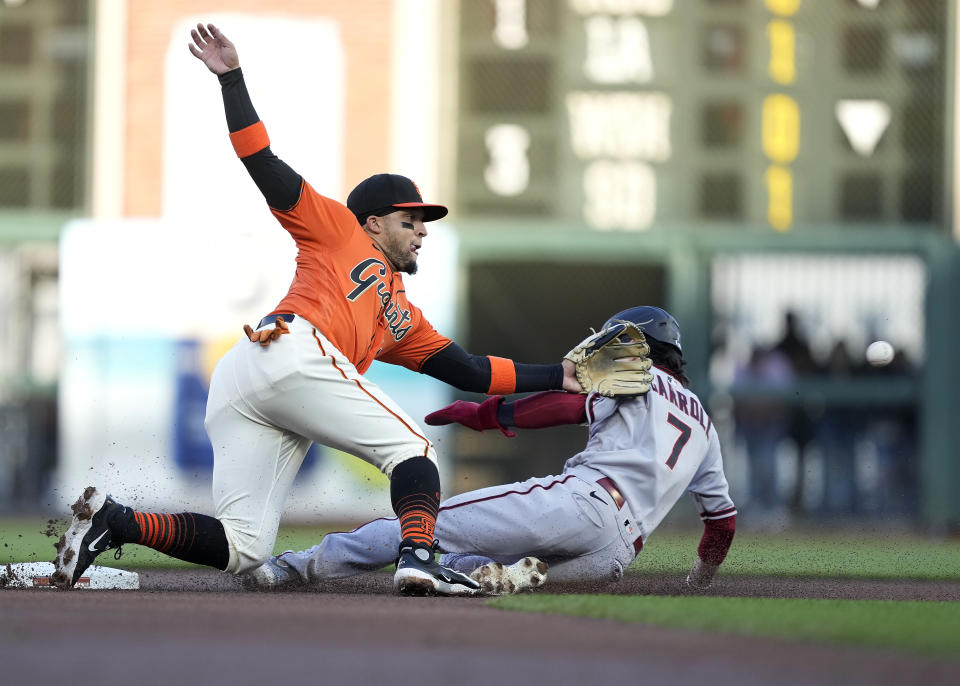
(419, 574)
(88, 536)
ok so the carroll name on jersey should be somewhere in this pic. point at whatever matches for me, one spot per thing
(686, 404)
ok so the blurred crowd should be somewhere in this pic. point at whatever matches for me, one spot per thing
(813, 449)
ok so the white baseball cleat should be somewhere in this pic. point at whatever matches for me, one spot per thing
(498, 579)
(88, 536)
(274, 574)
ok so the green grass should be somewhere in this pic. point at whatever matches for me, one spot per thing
(925, 628)
(863, 556)
(867, 556)
(27, 540)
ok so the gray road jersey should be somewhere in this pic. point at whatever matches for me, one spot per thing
(654, 447)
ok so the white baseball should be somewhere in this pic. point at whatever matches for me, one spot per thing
(879, 353)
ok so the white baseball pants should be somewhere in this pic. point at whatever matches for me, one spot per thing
(567, 521)
(265, 408)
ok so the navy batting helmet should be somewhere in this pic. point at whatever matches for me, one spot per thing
(653, 321)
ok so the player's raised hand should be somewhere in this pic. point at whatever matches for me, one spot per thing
(476, 416)
(214, 49)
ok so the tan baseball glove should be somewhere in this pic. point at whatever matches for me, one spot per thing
(613, 362)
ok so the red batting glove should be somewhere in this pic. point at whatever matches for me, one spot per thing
(476, 416)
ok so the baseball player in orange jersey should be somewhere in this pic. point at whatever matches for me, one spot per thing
(346, 307)
(587, 523)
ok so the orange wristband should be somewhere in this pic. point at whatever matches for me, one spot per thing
(503, 376)
(250, 139)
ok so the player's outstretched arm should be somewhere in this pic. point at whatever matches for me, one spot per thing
(476, 416)
(279, 183)
(550, 408)
(489, 374)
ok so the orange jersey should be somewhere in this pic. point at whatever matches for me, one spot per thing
(345, 287)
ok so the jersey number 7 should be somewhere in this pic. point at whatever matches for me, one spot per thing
(682, 439)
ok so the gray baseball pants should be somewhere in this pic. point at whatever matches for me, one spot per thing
(566, 520)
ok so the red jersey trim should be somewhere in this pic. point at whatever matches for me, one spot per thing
(504, 494)
(722, 514)
(668, 373)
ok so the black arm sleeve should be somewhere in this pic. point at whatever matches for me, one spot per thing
(236, 101)
(279, 183)
(460, 369)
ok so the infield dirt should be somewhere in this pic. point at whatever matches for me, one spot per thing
(202, 627)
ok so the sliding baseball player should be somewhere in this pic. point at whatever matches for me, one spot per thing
(587, 523)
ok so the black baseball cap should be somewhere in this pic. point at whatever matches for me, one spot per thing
(383, 191)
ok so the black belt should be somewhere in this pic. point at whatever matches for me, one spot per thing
(271, 319)
(607, 484)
